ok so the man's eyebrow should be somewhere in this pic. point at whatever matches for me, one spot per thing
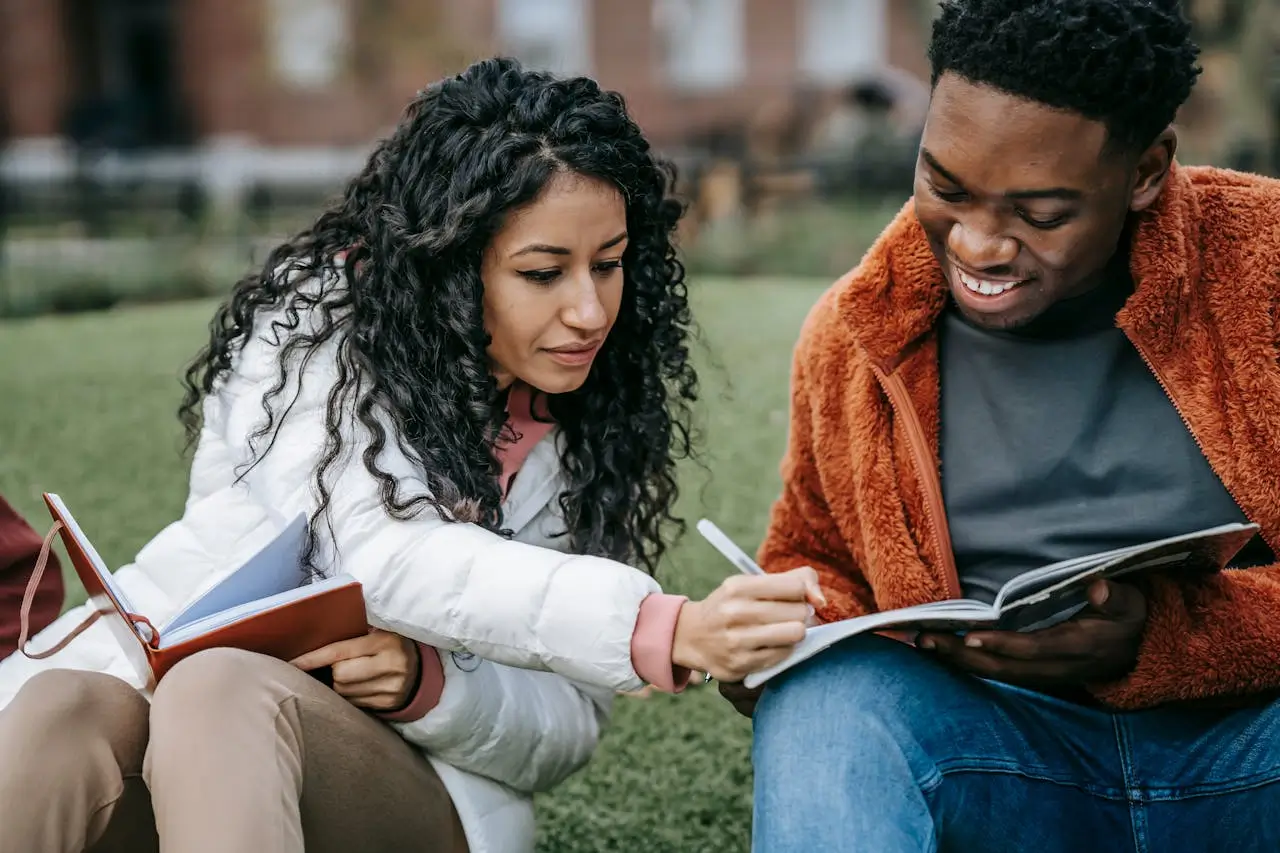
(1060, 193)
(939, 168)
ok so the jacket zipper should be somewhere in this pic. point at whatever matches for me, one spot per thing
(927, 471)
(1164, 386)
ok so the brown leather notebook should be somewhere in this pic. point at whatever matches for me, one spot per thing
(266, 606)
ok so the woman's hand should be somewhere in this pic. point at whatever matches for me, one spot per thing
(378, 671)
(751, 622)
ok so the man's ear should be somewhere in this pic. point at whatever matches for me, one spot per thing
(1152, 170)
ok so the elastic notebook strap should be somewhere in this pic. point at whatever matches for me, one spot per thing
(24, 617)
(152, 638)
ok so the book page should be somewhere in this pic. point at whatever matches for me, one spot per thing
(1037, 580)
(949, 615)
(177, 634)
(1201, 548)
(276, 568)
(1033, 607)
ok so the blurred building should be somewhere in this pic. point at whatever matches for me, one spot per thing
(233, 92)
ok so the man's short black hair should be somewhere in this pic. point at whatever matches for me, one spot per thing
(1129, 64)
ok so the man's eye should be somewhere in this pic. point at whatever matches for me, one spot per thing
(950, 197)
(1043, 222)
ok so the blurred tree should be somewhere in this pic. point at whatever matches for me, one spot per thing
(1244, 35)
(925, 11)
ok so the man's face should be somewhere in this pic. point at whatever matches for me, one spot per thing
(1023, 204)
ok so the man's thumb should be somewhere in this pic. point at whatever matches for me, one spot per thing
(1112, 599)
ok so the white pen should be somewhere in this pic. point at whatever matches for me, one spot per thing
(738, 557)
(725, 546)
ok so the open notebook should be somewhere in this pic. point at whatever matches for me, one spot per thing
(1035, 599)
(267, 605)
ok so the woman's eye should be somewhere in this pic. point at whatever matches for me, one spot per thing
(540, 276)
(606, 267)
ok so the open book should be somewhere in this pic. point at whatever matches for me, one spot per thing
(1035, 599)
(268, 605)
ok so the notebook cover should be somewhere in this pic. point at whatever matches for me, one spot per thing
(101, 599)
(283, 632)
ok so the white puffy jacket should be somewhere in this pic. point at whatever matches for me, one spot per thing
(534, 641)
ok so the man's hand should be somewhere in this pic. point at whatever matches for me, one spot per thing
(740, 696)
(1098, 644)
(378, 671)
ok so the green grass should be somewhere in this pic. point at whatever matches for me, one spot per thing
(88, 411)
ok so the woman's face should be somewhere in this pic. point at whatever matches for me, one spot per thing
(553, 283)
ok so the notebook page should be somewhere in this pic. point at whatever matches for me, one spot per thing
(822, 637)
(276, 568)
(1041, 582)
(1035, 580)
(212, 622)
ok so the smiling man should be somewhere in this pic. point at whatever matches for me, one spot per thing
(1065, 343)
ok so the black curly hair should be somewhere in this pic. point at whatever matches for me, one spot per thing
(405, 310)
(1129, 64)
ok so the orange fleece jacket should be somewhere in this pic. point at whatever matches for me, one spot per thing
(862, 500)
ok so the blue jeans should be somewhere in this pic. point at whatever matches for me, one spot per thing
(875, 746)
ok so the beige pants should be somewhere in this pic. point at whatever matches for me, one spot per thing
(236, 752)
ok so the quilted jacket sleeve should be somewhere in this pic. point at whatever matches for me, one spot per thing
(529, 730)
(548, 635)
(455, 586)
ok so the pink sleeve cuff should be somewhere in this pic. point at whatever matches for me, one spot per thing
(427, 696)
(652, 640)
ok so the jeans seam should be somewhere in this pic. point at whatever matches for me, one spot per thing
(932, 782)
(1217, 789)
(1013, 770)
(1137, 809)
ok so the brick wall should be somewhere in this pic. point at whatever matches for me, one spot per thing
(233, 91)
(223, 52)
(33, 71)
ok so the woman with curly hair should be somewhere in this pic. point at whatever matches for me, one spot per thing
(472, 374)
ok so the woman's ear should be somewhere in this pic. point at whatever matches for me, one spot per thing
(1152, 171)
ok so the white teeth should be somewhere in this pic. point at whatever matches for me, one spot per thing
(986, 288)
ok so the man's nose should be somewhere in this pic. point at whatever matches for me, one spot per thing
(978, 244)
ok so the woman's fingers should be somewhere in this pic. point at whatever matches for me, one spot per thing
(387, 685)
(774, 635)
(749, 614)
(370, 667)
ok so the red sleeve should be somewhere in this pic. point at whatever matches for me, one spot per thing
(19, 547)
